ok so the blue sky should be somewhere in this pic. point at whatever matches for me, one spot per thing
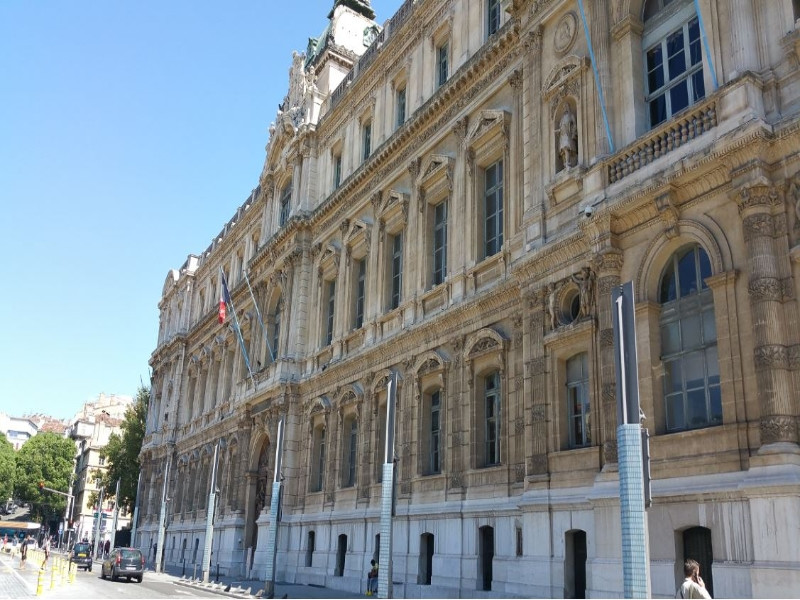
(129, 134)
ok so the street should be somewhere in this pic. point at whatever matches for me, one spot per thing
(22, 583)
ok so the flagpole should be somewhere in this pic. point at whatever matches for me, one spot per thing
(260, 320)
(238, 329)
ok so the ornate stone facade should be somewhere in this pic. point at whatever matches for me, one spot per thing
(469, 242)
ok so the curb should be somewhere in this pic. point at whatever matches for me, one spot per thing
(220, 589)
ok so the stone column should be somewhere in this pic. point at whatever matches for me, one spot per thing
(531, 132)
(599, 30)
(763, 223)
(607, 263)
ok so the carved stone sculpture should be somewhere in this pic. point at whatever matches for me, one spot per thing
(585, 281)
(552, 309)
(568, 138)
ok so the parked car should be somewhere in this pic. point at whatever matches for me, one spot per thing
(82, 555)
(123, 562)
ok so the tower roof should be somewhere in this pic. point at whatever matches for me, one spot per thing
(362, 7)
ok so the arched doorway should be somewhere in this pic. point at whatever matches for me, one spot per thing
(485, 557)
(260, 497)
(425, 559)
(575, 564)
(697, 545)
(341, 551)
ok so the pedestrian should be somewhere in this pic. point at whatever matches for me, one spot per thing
(107, 548)
(693, 586)
(372, 578)
(46, 549)
(23, 552)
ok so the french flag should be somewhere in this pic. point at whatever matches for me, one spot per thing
(224, 298)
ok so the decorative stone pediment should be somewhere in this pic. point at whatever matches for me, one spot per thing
(483, 342)
(393, 212)
(436, 176)
(429, 362)
(321, 404)
(564, 80)
(355, 231)
(349, 394)
(488, 125)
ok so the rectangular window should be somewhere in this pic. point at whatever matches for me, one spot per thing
(439, 243)
(276, 327)
(674, 73)
(366, 140)
(492, 16)
(578, 400)
(361, 270)
(435, 432)
(337, 171)
(493, 209)
(320, 474)
(519, 541)
(492, 418)
(397, 271)
(286, 198)
(351, 459)
(401, 107)
(330, 312)
(442, 67)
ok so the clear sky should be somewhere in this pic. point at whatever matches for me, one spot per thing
(129, 134)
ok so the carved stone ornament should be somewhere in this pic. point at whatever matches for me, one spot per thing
(669, 214)
(519, 473)
(757, 195)
(771, 356)
(483, 345)
(539, 413)
(456, 480)
(566, 32)
(765, 288)
(533, 41)
(537, 366)
(610, 451)
(793, 207)
(758, 225)
(607, 338)
(778, 428)
(537, 464)
(519, 425)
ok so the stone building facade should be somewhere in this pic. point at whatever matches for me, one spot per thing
(452, 197)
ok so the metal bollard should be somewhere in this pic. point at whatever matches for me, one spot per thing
(40, 582)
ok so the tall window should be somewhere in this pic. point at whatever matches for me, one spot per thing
(491, 402)
(366, 140)
(492, 16)
(337, 170)
(276, 327)
(435, 432)
(397, 271)
(673, 58)
(318, 458)
(400, 104)
(578, 401)
(439, 243)
(689, 343)
(361, 278)
(350, 453)
(286, 198)
(442, 67)
(331, 305)
(493, 209)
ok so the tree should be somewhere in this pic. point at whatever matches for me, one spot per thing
(122, 452)
(7, 469)
(48, 459)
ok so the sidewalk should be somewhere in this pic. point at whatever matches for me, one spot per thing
(236, 587)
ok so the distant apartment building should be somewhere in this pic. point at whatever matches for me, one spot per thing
(91, 430)
(17, 430)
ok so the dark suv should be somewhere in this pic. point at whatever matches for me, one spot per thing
(123, 562)
(82, 555)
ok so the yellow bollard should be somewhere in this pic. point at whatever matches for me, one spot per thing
(63, 571)
(72, 572)
(40, 582)
(52, 577)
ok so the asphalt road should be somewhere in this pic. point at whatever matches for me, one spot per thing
(22, 583)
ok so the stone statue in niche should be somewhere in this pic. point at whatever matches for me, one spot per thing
(568, 138)
(585, 282)
(552, 308)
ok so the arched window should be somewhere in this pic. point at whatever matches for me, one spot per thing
(672, 58)
(689, 343)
